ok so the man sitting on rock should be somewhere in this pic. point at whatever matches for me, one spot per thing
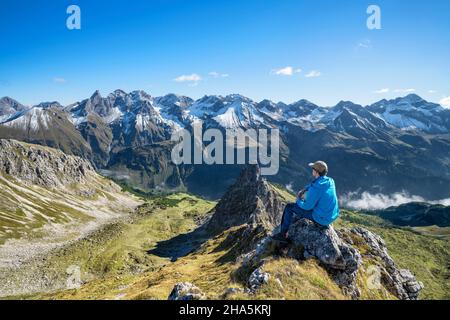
(317, 202)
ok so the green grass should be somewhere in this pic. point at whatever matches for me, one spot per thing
(121, 250)
(435, 231)
(293, 280)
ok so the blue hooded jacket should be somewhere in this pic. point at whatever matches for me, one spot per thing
(322, 200)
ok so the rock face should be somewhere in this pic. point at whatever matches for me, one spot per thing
(42, 165)
(186, 291)
(9, 107)
(250, 201)
(337, 254)
(400, 282)
(323, 243)
(340, 259)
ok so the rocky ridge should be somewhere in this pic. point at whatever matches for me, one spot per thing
(43, 166)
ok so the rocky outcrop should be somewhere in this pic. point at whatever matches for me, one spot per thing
(253, 201)
(40, 165)
(337, 253)
(400, 282)
(257, 279)
(186, 291)
(324, 244)
(250, 201)
(340, 259)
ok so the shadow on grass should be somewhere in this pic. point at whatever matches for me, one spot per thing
(181, 245)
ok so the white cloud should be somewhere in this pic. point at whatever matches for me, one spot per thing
(404, 90)
(368, 201)
(313, 74)
(215, 74)
(445, 102)
(432, 91)
(188, 78)
(444, 202)
(59, 80)
(366, 44)
(384, 90)
(287, 71)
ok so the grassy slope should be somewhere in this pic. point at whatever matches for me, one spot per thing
(117, 253)
(27, 210)
(212, 267)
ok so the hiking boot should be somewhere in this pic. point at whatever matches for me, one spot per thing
(280, 237)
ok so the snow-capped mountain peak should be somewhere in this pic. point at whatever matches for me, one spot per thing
(32, 119)
(411, 113)
(9, 107)
(230, 112)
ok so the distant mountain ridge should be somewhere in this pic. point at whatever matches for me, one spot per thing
(417, 214)
(128, 134)
(408, 113)
(9, 107)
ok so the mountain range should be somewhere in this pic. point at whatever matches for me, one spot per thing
(390, 146)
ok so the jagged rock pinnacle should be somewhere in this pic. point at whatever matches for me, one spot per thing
(251, 200)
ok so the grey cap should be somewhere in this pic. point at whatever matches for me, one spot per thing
(320, 166)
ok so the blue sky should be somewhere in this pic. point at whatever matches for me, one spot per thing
(225, 46)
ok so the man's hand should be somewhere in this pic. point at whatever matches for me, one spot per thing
(301, 194)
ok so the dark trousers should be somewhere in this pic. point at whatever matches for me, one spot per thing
(290, 210)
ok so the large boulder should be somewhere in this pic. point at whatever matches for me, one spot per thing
(257, 279)
(186, 291)
(324, 244)
(337, 253)
(340, 259)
